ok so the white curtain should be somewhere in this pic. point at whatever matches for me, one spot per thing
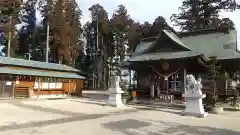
(50, 85)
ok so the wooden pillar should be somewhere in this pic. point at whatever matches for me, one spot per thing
(13, 87)
(39, 83)
(183, 81)
(130, 79)
(3, 83)
(69, 81)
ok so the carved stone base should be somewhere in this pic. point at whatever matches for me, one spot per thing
(194, 107)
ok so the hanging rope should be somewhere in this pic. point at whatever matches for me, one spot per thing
(165, 77)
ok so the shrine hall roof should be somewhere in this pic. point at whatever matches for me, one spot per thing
(66, 75)
(219, 44)
(145, 46)
(36, 64)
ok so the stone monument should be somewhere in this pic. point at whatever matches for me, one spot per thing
(115, 92)
(194, 96)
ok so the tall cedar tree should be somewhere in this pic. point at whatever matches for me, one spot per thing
(60, 33)
(46, 9)
(121, 23)
(73, 15)
(203, 14)
(65, 30)
(5, 12)
(101, 51)
(28, 30)
(134, 36)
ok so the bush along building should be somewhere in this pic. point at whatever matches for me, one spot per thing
(162, 62)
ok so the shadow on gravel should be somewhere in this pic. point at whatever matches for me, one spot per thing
(136, 127)
(90, 102)
(15, 125)
(44, 109)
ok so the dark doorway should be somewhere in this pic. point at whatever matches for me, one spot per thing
(6, 87)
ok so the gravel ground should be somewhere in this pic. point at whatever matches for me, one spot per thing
(80, 116)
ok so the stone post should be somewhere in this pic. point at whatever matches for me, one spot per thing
(115, 92)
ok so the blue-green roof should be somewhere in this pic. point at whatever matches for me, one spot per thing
(35, 64)
(67, 75)
(176, 39)
(219, 44)
(145, 46)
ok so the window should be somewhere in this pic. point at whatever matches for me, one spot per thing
(48, 83)
(175, 82)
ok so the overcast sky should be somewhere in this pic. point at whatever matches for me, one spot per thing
(146, 10)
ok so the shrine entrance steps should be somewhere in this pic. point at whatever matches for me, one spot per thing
(21, 93)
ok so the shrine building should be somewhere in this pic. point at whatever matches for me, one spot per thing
(21, 78)
(168, 57)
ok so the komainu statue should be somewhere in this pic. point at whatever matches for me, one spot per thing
(194, 96)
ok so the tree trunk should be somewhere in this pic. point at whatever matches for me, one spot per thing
(214, 93)
(152, 91)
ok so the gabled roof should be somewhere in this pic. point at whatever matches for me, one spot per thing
(221, 44)
(36, 64)
(146, 45)
(176, 39)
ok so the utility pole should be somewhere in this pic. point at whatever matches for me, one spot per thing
(47, 43)
(9, 36)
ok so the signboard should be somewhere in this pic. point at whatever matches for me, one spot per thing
(9, 83)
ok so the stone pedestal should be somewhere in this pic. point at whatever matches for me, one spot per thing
(194, 96)
(194, 106)
(115, 97)
(115, 93)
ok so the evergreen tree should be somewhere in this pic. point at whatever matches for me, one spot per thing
(134, 36)
(145, 29)
(28, 30)
(121, 23)
(188, 18)
(46, 9)
(73, 15)
(65, 30)
(203, 14)
(213, 68)
(99, 43)
(9, 18)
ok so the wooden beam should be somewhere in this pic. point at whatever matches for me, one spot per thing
(13, 87)
(183, 79)
(69, 86)
(3, 84)
(39, 83)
